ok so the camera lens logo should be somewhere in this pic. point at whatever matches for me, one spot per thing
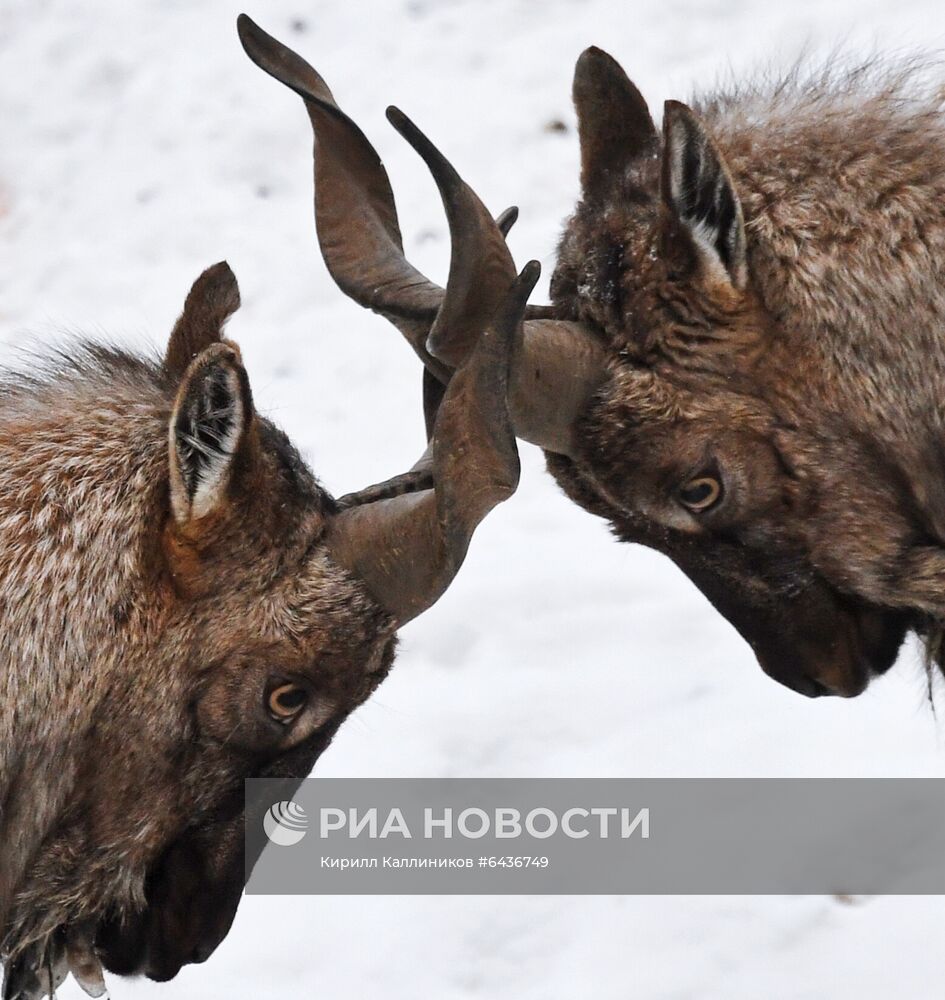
(285, 823)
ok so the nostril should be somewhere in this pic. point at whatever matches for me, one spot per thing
(201, 953)
(814, 688)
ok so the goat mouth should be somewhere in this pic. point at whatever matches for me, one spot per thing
(873, 641)
(862, 643)
(851, 686)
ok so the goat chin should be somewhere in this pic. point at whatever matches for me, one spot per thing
(53, 930)
(44, 967)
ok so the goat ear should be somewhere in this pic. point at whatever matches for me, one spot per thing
(210, 432)
(697, 187)
(614, 123)
(214, 297)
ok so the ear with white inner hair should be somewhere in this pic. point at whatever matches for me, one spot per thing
(209, 432)
(697, 187)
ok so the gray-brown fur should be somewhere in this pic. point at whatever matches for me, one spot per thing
(184, 607)
(813, 380)
(136, 649)
(743, 361)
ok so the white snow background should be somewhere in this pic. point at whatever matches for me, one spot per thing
(138, 145)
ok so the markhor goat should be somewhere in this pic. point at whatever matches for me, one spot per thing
(744, 363)
(183, 607)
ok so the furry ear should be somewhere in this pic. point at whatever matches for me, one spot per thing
(614, 123)
(698, 190)
(210, 432)
(214, 297)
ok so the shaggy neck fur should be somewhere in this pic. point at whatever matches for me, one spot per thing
(110, 655)
(82, 455)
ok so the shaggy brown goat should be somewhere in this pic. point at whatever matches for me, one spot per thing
(744, 363)
(185, 607)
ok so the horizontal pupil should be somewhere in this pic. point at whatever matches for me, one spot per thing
(290, 700)
(696, 494)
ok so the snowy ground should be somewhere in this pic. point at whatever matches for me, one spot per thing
(139, 145)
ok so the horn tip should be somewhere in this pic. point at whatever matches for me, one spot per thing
(430, 154)
(531, 271)
(507, 219)
(402, 123)
(247, 28)
(527, 280)
(254, 40)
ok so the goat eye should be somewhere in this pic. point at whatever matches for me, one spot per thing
(700, 494)
(286, 701)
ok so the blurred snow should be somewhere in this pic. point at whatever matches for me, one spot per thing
(140, 145)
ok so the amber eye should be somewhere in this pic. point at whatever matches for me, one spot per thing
(286, 701)
(700, 494)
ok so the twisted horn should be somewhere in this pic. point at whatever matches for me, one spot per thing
(357, 225)
(481, 266)
(557, 364)
(407, 549)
